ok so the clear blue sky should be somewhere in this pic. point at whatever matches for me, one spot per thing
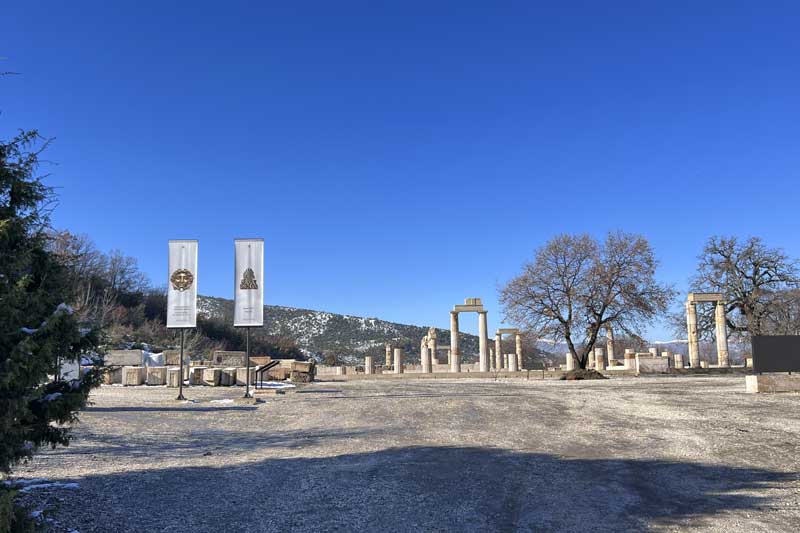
(397, 159)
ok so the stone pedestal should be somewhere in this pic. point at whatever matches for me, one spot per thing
(630, 359)
(212, 376)
(133, 375)
(748, 362)
(667, 354)
(369, 365)
(398, 360)
(156, 375)
(651, 365)
(678, 360)
(653, 352)
(196, 375)
(703, 364)
(570, 362)
(173, 377)
(772, 383)
(512, 362)
(610, 346)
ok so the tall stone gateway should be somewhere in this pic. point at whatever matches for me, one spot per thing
(721, 330)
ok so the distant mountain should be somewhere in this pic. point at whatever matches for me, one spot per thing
(349, 337)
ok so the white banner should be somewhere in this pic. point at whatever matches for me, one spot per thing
(248, 309)
(182, 285)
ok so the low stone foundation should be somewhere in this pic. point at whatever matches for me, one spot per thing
(773, 383)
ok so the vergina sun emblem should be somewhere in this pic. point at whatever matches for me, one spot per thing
(248, 280)
(181, 279)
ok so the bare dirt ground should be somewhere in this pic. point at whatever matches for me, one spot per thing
(662, 454)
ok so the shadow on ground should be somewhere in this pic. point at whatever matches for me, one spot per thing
(426, 489)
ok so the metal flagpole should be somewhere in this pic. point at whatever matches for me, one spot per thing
(180, 378)
(247, 362)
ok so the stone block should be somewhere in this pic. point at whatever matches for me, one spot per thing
(212, 376)
(678, 360)
(241, 376)
(112, 375)
(133, 375)
(228, 377)
(196, 375)
(773, 383)
(224, 358)
(156, 375)
(173, 376)
(748, 363)
(648, 364)
(123, 358)
(703, 364)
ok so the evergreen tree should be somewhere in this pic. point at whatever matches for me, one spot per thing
(38, 331)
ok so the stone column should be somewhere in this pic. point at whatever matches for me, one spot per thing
(599, 359)
(398, 360)
(570, 362)
(691, 327)
(498, 351)
(518, 343)
(455, 357)
(610, 345)
(388, 362)
(630, 359)
(432, 339)
(512, 362)
(722, 335)
(519, 362)
(369, 365)
(483, 342)
(426, 360)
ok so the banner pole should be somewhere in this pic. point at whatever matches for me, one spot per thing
(180, 378)
(247, 362)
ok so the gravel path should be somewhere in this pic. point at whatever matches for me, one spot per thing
(662, 454)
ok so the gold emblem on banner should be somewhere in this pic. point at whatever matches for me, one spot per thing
(248, 280)
(181, 279)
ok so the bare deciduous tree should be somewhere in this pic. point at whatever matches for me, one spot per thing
(758, 283)
(576, 287)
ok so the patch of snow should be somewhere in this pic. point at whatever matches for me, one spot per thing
(29, 331)
(273, 385)
(226, 400)
(51, 397)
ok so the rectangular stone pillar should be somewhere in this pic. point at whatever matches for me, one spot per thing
(691, 328)
(630, 359)
(398, 360)
(196, 376)
(241, 376)
(570, 362)
(369, 365)
(599, 360)
(483, 341)
(498, 351)
(455, 356)
(512, 362)
(678, 360)
(722, 336)
(519, 361)
(518, 349)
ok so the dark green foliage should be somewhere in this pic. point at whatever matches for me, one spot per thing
(37, 328)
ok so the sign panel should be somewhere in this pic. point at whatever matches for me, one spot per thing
(776, 353)
(248, 309)
(182, 285)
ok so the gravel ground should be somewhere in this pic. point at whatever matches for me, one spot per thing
(663, 454)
